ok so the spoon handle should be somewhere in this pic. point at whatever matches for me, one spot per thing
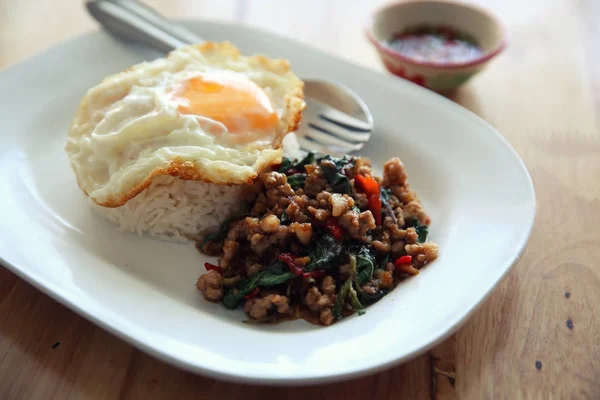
(133, 21)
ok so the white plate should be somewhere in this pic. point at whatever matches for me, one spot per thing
(473, 184)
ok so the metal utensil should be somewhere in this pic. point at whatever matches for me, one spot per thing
(335, 121)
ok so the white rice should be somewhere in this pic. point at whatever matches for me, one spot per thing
(180, 210)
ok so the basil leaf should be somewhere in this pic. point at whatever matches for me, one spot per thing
(365, 265)
(422, 231)
(309, 159)
(339, 300)
(385, 260)
(412, 222)
(221, 233)
(286, 165)
(275, 274)
(296, 180)
(285, 219)
(358, 307)
(244, 287)
(338, 181)
(335, 174)
(326, 252)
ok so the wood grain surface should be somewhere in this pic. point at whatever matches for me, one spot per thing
(538, 334)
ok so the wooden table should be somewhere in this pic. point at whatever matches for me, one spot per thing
(538, 334)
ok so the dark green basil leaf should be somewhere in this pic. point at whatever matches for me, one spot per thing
(275, 274)
(244, 287)
(422, 231)
(285, 219)
(338, 181)
(341, 297)
(221, 233)
(309, 159)
(286, 165)
(358, 307)
(296, 181)
(365, 265)
(326, 252)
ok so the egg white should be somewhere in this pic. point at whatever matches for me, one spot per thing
(129, 128)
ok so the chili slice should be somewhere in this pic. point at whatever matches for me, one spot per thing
(375, 206)
(314, 274)
(213, 267)
(367, 183)
(334, 228)
(403, 260)
(252, 294)
(291, 263)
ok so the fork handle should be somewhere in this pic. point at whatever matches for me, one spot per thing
(133, 21)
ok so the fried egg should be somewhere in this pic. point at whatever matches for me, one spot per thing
(204, 112)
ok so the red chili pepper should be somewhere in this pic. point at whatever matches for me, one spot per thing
(212, 267)
(252, 294)
(314, 274)
(367, 184)
(403, 260)
(371, 188)
(335, 229)
(403, 264)
(291, 263)
(375, 206)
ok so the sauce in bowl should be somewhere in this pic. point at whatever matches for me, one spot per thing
(438, 45)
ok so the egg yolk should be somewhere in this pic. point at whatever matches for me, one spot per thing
(239, 104)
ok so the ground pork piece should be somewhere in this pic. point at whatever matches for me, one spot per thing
(258, 308)
(404, 194)
(315, 181)
(394, 173)
(237, 231)
(317, 301)
(278, 190)
(260, 206)
(357, 225)
(415, 209)
(380, 246)
(273, 179)
(212, 248)
(323, 200)
(230, 248)
(231, 281)
(422, 253)
(386, 280)
(254, 268)
(340, 204)
(394, 230)
(361, 200)
(371, 287)
(397, 248)
(269, 223)
(260, 242)
(295, 211)
(328, 285)
(211, 286)
(319, 213)
(361, 166)
(326, 316)
(303, 232)
(411, 236)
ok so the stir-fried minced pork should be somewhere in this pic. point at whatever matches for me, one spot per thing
(321, 235)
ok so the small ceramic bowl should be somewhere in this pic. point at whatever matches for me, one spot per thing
(482, 26)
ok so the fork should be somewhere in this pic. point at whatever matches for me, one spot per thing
(324, 128)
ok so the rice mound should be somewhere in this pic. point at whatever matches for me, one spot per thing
(181, 210)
